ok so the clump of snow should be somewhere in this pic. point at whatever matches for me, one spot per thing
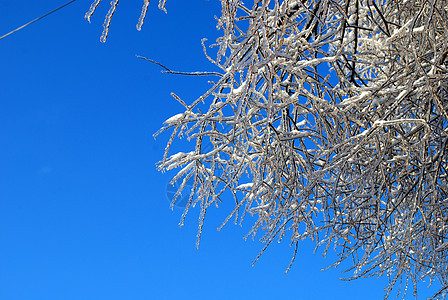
(174, 119)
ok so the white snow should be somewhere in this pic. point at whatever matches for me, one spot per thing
(244, 186)
(419, 29)
(174, 119)
(301, 123)
(239, 90)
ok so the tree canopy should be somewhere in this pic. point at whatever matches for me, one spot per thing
(328, 121)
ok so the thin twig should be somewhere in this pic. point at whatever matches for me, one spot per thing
(178, 72)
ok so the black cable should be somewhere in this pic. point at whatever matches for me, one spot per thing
(37, 19)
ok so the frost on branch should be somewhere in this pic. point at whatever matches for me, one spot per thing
(328, 122)
(142, 15)
(108, 18)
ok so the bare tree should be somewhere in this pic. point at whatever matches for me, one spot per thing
(328, 122)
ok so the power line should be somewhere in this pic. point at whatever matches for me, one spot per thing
(37, 19)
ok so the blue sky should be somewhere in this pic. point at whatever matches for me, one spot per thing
(83, 210)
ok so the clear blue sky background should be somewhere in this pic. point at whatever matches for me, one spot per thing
(83, 211)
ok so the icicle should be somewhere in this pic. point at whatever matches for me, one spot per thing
(162, 5)
(106, 24)
(92, 10)
(142, 15)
